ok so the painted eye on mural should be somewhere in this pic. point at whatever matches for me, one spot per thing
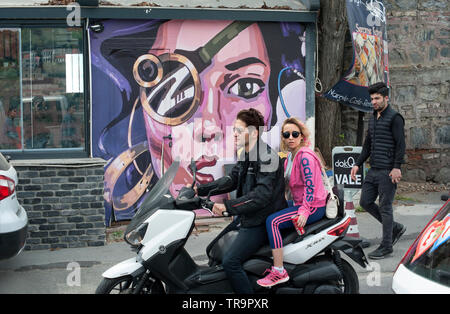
(247, 88)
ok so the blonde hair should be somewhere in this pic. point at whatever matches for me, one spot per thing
(303, 130)
(320, 157)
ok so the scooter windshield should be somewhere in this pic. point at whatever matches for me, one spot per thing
(155, 198)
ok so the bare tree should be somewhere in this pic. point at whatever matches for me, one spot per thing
(332, 26)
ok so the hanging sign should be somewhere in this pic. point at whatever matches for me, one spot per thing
(367, 23)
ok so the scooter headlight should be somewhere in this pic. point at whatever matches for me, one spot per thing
(136, 236)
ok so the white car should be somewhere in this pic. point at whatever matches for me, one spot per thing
(13, 218)
(425, 268)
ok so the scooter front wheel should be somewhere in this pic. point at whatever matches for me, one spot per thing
(119, 285)
(126, 285)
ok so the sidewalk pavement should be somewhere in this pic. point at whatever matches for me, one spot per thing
(46, 271)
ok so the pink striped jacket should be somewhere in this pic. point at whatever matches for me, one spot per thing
(305, 183)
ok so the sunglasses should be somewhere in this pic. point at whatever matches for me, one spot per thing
(295, 134)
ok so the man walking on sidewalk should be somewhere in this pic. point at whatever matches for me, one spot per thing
(385, 144)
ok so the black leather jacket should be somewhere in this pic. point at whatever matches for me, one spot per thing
(258, 179)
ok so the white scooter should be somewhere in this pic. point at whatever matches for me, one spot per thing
(162, 225)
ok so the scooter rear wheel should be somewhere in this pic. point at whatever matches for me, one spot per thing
(350, 281)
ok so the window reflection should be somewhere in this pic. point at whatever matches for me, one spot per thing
(10, 109)
(41, 78)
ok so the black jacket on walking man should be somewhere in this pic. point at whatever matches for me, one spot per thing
(385, 145)
(259, 183)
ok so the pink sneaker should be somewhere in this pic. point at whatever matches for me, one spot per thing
(273, 278)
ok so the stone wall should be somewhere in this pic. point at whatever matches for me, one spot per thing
(419, 65)
(64, 206)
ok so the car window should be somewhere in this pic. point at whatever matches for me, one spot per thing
(4, 164)
(431, 258)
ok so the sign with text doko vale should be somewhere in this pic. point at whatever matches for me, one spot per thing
(344, 158)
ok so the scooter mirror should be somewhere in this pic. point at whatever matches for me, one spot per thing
(193, 167)
(211, 192)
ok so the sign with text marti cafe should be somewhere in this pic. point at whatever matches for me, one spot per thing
(367, 24)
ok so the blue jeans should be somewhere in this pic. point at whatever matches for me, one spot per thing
(247, 243)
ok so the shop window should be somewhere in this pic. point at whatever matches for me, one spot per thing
(42, 103)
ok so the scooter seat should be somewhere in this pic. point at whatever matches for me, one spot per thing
(291, 235)
(223, 241)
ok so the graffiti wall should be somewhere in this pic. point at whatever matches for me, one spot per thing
(166, 89)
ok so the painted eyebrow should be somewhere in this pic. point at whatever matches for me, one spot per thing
(242, 63)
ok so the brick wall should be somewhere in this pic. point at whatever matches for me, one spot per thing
(420, 75)
(64, 205)
(419, 66)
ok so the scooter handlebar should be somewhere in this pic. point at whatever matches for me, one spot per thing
(210, 204)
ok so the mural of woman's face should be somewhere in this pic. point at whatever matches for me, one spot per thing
(236, 79)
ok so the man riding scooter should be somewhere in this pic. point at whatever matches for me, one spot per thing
(237, 257)
(258, 179)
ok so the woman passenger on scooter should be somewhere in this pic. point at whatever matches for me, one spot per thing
(304, 186)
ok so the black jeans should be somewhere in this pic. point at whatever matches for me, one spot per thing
(247, 242)
(378, 183)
